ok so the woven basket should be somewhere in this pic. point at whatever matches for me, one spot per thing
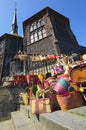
(78, 76)
(78, 73)
(70, 100)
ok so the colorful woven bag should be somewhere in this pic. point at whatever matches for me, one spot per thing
(61, 86)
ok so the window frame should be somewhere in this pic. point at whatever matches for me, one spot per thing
(37, 30)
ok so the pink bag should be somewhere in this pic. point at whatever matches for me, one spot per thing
(52, 81)
(32, 79)
(61, 86)
(58, 69)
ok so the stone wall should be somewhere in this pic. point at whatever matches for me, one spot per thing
(9, 100)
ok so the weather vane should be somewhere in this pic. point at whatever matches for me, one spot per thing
(15, 4)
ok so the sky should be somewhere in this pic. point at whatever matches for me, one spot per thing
(75, 10)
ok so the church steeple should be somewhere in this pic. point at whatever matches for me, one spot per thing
(14, 23)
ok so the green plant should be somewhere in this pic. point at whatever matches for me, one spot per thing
(79, 114)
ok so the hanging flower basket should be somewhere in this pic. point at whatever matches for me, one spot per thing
(23, 57)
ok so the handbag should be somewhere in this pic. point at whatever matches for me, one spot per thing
(61, 86)
(25, 98)
(58, 70)
(70, 100)
(19, 79)
(32, 79)
(52, 81)
(40, 105)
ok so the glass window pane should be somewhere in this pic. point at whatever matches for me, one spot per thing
(35, 36)
(32, 36)
(36, 39)
(40, 34)
(42, 22)
(35, 26)
(38, 24)
(44, 34)
(40, 37)
(32, 40)
(31, 28)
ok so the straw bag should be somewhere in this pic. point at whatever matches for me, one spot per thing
(36, 58)
(78, 76)
(78, 73)
(70, 100)
(84, 57)
(40, 105)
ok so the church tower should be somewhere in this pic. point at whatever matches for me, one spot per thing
(9, 47)
(14, 23)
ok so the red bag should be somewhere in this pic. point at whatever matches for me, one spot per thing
(32, 79)
(19, 79)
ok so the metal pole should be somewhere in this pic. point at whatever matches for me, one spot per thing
(24, 69)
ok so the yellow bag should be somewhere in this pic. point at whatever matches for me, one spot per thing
(25, 98)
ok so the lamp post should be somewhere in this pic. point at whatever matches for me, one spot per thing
(23, 57)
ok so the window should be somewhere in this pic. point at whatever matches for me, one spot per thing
(31, 28)
(32, 38)
(39, 24)
(37, 31)
(35, 37)
(35, 25)
(40, 34)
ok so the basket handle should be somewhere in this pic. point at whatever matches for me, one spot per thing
(40, 92)
(43, 94)
(74, 86)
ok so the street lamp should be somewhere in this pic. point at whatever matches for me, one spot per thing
(23, 57)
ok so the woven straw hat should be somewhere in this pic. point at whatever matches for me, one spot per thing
(84, 57)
